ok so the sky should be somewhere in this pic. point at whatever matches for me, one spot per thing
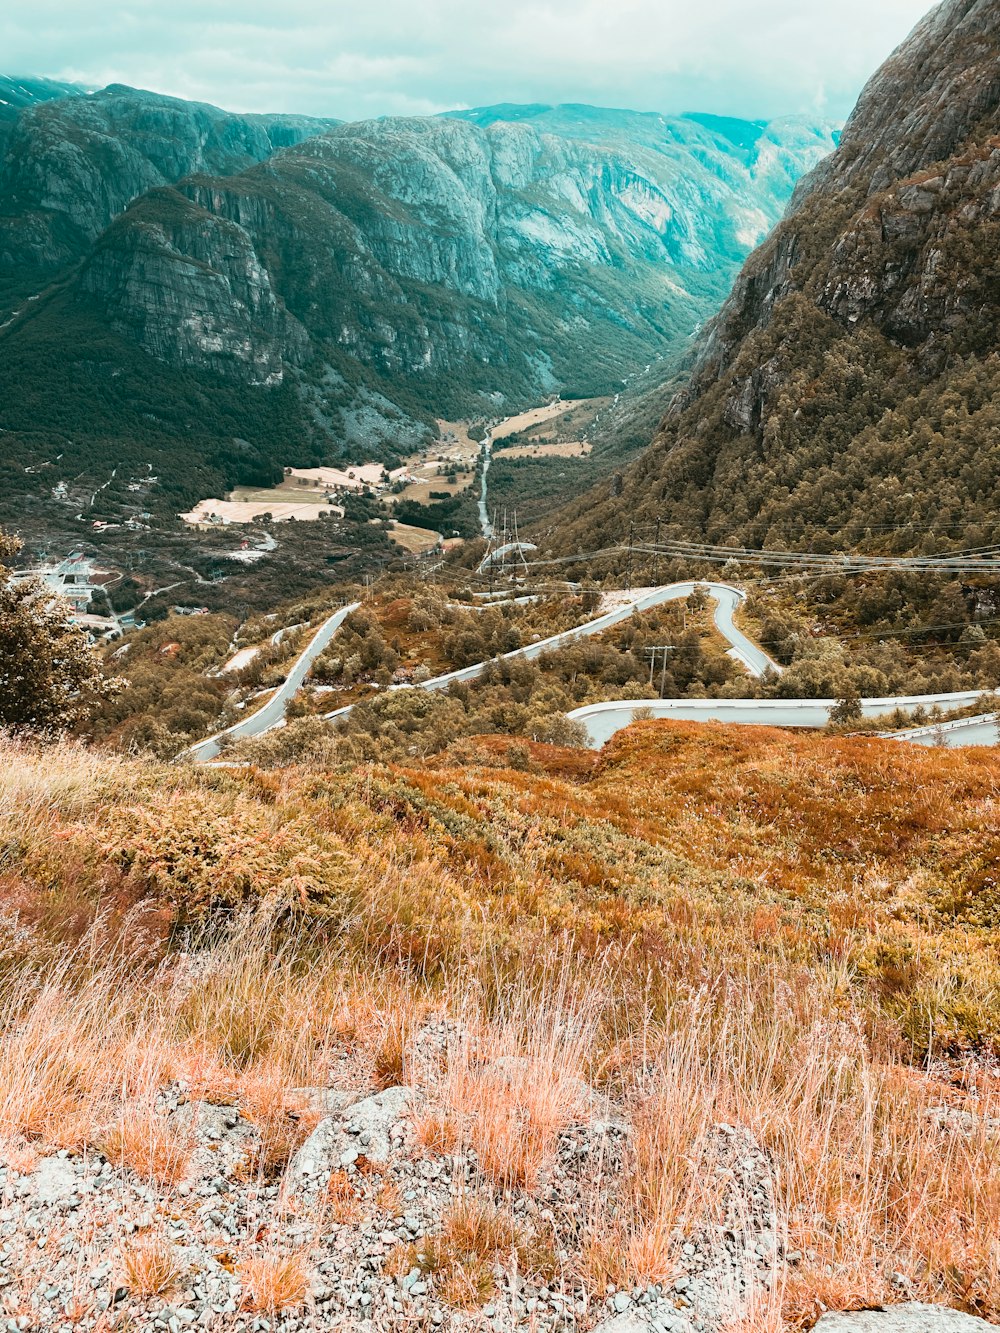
(353, 59)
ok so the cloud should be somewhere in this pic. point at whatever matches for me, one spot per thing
(352, 60)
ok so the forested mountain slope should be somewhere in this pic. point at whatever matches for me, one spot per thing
(220, 282)
(849, 392)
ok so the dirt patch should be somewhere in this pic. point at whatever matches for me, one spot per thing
(417, 541)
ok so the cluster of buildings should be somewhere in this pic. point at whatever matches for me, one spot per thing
(76, 579)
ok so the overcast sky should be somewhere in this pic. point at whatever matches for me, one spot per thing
(357, 58)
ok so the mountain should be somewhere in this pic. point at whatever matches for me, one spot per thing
(848, 394)
(17, 94)
(225, 292)
(74, 164)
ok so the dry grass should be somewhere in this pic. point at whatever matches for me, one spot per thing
(145, 1143)
(669, 925)
(273, 1282)
(343, 1202)
(438, 1133)
(150, 1266)
(510, 1089)
(476, 1237)
(390, 1062)
(71, 1052)
(282, 1120)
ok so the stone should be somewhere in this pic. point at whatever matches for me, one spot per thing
(912, 1317)
(325, 1101)
(52, 1182)
(334, 1139)
(632, 1322)
(962, 1122)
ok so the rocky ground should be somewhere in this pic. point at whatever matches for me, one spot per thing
(379, 1220)
(356, 1229)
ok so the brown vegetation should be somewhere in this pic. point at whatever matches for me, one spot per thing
(793, 935)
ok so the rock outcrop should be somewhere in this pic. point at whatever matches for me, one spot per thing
(913, 1317)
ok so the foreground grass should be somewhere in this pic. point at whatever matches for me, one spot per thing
(796, 935)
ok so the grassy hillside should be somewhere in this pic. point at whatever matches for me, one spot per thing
(728, 941)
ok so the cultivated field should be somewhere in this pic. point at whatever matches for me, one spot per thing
(571, 449)
(415, 540)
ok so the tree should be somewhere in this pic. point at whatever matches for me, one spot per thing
(847, 710)
(49, 675)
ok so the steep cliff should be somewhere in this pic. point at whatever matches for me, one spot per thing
(849, 391)
(385, 272)
(73, 164)
(17, 94)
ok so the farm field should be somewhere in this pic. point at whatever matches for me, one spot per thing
(569, 449)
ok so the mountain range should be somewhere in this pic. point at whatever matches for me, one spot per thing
(213, 296)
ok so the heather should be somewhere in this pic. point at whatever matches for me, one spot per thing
(792, 937)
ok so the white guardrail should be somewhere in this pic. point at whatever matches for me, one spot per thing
(603, 720)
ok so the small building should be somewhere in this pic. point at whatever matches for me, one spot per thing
(76, 579)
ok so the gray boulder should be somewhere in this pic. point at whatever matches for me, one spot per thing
(912, 1317)
(363, 1130)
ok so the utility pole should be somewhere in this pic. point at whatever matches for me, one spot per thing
(663, 648)
(518, 549)
(628, 567)
(656, 566)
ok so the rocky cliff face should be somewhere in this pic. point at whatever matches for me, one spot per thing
(849, 391)
(390, 271)
(72, 165)
(16, 95)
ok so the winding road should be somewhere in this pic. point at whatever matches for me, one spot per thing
(981, 730)
(727, 599)
(602, 721)
(273, 712)
(487, 458)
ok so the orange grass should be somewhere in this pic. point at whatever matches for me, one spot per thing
(273, 1282)
(795, 935)
(150, 1266)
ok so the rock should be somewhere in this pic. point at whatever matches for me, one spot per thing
(913, 1317)
(962, 1122)
(52, 1182)
(587, 1106)
(634, 1322)
(325, 1101)
(336, 1138)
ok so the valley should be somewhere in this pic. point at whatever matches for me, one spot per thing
(235, 295)
(499, 779)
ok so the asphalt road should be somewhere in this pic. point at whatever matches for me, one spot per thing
(727, 599)
(603, 720)
(273, 713)
(982, 730)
